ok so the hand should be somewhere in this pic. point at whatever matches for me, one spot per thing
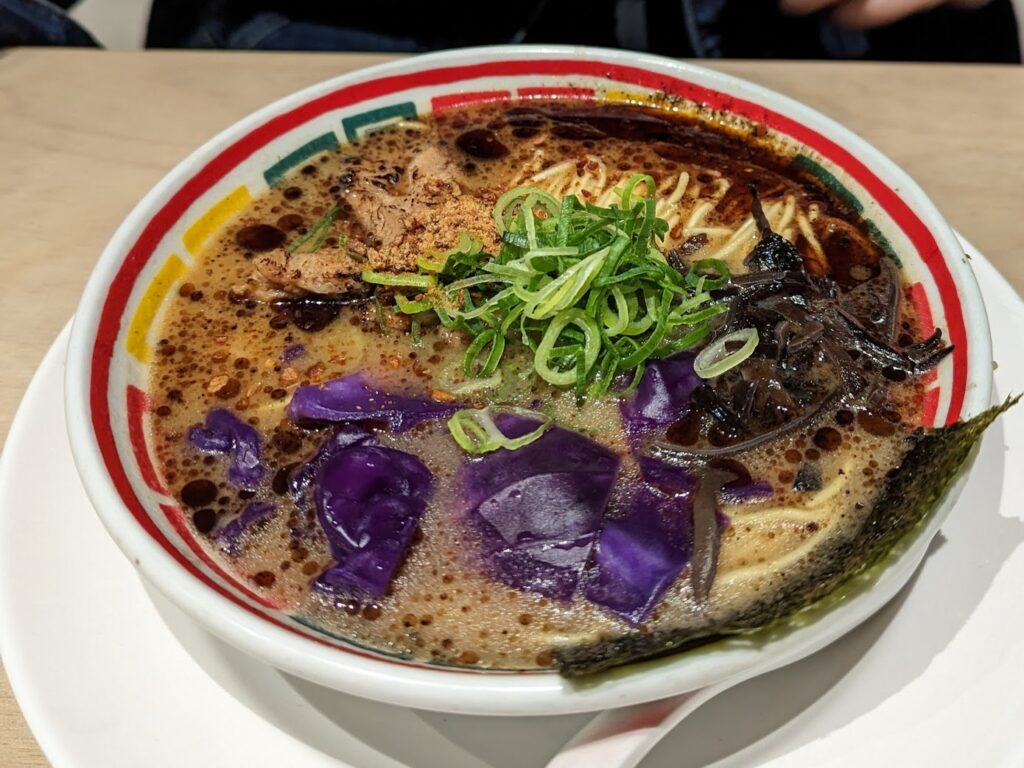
(863, 14)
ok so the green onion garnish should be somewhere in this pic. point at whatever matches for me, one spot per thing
(410, 307)
(400, 279)
(316, 235)
(382, 322)
(414, 332)
(585, 288)
(716, 358)
(545, 361)
(475, 431)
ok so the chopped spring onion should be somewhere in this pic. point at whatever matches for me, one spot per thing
(698, 271)
(566, 289)
(401, 279)
(316, 235)
(584, 287)
(411, 307)
(475, 431)
(382, 321)
(715, 359)
(518, 200)
(544, 359)
(496, 343)
(433, 263)
(468, 245)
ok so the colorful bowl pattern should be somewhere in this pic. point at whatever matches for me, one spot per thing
(150, 255)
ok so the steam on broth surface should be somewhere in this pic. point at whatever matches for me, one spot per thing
(788, 446)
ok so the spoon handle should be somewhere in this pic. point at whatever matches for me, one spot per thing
(620, 738)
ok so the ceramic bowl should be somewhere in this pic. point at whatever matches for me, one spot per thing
(114, 333)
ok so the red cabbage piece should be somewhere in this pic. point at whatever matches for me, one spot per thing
(292, 353)
(230, 536)
(743, 493)
(353, 399)
(641, 554)
(662, 395)
(538, 508)
(369, 500)
(225, 433)
(666, 477)
(683, 480)
(301, 480)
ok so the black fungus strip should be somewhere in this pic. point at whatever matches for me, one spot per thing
(678, 455)
(706, 534)
(892, 301)
(313, 312)
(814, 352)
(882, 353)
(773, 251)
(705, 397)
(920, 348)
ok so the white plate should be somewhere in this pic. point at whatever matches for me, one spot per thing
(110, 674)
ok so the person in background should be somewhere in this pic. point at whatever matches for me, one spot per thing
(921, 30)
(34, 22)
(894, 30)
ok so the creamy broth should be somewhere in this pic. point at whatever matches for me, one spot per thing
(227, 341)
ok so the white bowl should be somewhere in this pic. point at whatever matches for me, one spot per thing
(113, 330)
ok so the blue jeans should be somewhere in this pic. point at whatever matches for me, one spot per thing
(272, 31)
(37, 22)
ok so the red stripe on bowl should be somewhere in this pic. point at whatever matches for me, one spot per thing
(923, 309)
(929, 405)
(137, 405)
(556, 93)
(439, 103)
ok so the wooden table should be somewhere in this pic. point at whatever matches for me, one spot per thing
(83, 135)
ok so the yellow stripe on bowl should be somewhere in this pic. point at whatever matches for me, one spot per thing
(137, 341)
(197, 234)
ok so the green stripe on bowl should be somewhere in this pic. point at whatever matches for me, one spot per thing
(354, 124)
(276, 172)
(826, 177)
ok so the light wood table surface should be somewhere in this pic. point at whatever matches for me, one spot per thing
(84, 134)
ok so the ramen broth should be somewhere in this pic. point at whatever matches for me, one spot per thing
(227, 342)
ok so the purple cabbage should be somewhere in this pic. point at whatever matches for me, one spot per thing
(538, 509)
(302, 479)
(369, 500)
(641, 554)
(745, 493)
(680, 480)
(225, 433)
(662, 396)
(292, 353)
(666, 477)
(353, 399)
(230, 536)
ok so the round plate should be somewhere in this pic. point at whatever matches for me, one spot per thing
(95, 659)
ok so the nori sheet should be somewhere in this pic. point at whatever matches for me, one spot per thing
(911, 491)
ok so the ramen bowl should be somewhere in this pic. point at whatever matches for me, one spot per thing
(116, 326)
